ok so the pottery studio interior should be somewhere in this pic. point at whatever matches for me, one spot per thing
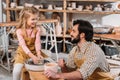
(59, 39)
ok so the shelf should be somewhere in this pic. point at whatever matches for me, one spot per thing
(14, 9)
(69, 11)
(91, 12)
(43, 10)
(54, 0)
(46, 10)
(15, 23)
(96, 0)
(60, 36)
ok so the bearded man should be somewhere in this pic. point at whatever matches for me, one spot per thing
(86, 60)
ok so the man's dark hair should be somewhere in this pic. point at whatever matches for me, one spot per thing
(84, 27)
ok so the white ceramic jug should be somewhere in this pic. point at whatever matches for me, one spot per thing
(13, 5)
(50, 7)
(73, 5)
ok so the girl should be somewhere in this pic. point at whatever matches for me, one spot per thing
(29, 40)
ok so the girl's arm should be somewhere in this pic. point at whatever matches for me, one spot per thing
(24, 47)
(38, 43)
(22, 41)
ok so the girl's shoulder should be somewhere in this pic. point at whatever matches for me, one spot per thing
(38, 28)
(19, 31)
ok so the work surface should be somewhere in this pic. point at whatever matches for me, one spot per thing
(108, 36)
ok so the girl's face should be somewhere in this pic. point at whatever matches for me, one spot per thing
(32, 20)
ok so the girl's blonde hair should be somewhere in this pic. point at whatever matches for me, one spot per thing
(25, 14)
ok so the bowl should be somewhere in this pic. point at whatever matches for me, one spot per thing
(51, 66)
(37, 6)
(58, 8)
(29, 65)
(20, 7)
(69, 8)
(116, 30)
(28, 5)
(79, 9)
(34, 67)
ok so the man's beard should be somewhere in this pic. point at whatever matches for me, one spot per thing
(76, 40)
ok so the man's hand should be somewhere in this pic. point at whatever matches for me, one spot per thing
(61, 63)
(51, 74)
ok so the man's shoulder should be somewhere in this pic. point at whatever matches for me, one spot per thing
(73, 49)
(93, 44)
(97, 49)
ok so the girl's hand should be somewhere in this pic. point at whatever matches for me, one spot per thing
(35, 59)
(40, 56)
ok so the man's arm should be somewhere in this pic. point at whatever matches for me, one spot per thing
(75, 75)
(63, 66)
(61, 63)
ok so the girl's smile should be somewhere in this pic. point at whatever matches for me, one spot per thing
(32, 20)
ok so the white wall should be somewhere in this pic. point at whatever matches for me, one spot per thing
(113, 19)
(97, 20)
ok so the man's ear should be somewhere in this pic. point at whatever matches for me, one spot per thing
(82, 35)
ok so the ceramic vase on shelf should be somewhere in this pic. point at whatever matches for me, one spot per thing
(50, 7)
(13, 4)
(73, 5)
